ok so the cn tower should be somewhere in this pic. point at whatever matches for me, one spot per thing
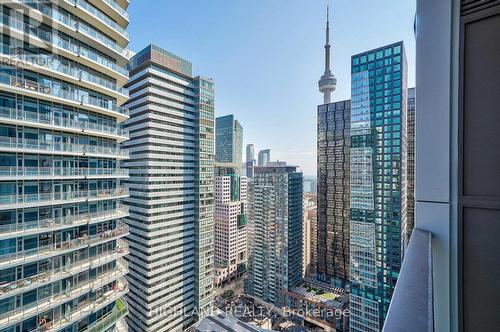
(327, 82)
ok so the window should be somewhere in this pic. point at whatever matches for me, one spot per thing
(29, 297)
(6, 305)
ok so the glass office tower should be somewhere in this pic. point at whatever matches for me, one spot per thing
(378, 168)
(334, 123)
(61, 246)
(171, 192)
(264, 157)
(250, 160)
(228, 140)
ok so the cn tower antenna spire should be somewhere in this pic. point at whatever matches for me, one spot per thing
(327, 83)
(327, 24)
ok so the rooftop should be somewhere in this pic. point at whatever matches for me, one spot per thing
(225, 323)
(321, 292)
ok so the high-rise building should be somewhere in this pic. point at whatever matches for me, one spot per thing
(250, 152)
(334, 123)
(274, 232)
(264, 157)
(230, 223)
(313, 187)
(171, 191)
(250, 160)
(333, 144)
(228, 140)
(308, 240)
(61, 247)
(378, 169)
(407, 227)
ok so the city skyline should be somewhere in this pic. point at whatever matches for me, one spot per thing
(240, 71)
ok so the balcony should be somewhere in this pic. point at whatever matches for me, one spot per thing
(29, 145)
(69, 269)
(73, 96)
(105, 322)
(86, 308)
(52, 198)
(117, 8)
(92, 10)
(53, 13)
(54, 64)
(25, 256)
(17, 315)
(34, 173)
(68, 45)
(68, 221)
(49, 121)
(411, 307)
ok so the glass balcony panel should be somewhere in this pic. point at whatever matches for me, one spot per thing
(56, 248)
(31, 144)
(68, 45)
(45, 225)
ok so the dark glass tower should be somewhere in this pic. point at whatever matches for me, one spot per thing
(333, 192)
(378, 194)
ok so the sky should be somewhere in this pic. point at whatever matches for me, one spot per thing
(266, 57)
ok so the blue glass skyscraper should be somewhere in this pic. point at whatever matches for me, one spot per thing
(378, 198)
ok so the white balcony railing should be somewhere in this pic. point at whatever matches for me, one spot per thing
(56, 248)
(55, 14)
(83, 309)
(59, 146)
(74, 291)
(412, 304)
(99, 15)
(54, 63)
(45, 225)
(71, 95)
(103, 323)
(40, 118)
(61, 272)
(30, 199)
(20, 171)
(70, 46)
(117, 7)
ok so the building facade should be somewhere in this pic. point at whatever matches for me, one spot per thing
(228, 140)
(308, 237)
(61, 246)
(377, 179)
(264, 157)
(250, 152)
(274, 232)
(407, 227)
(334, 123)
(171, 183)
(230, 224)
(250, 160)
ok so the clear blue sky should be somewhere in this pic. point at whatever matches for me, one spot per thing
(266, 57)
